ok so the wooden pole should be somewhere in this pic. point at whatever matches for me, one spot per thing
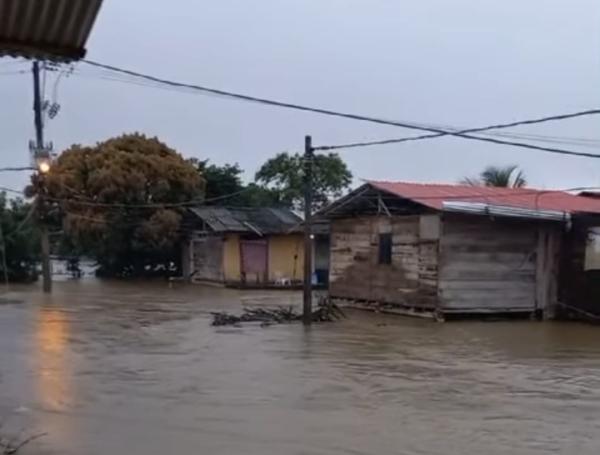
(41, 206)
(308, 189)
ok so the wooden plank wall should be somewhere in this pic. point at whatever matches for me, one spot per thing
(410, 280)
(547, 268)
(207, 259)
(487, 265)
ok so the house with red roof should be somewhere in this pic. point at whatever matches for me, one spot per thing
(443, 250)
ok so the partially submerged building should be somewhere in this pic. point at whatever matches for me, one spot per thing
(451, 249)
(247, 247)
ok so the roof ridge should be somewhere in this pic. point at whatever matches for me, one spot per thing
(460, 185)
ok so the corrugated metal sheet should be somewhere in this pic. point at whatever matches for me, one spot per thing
(435, 195)
(479, 208)
(260, 220)
(46, 29)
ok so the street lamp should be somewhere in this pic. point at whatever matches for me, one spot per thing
(44, 167)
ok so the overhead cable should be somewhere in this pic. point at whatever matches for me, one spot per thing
(465, 131)
(299, 107)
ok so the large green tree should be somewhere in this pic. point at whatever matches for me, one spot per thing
(284, 173)
(19, 240)
(499, 176)
(121, 202)
(224, 186)
(222, 182)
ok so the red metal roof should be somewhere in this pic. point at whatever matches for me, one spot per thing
(434, 196)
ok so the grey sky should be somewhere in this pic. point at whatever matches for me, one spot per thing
(459, 62)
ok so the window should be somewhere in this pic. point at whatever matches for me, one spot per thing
(385, 248)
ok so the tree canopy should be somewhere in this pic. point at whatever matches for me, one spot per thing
(284, 173)
(120, 201)
(499, 176)
(19, 240)
(224, 186)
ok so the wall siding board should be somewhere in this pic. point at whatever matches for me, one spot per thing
(411, 278)
(487, 265)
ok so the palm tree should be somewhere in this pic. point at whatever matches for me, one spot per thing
(499, 176)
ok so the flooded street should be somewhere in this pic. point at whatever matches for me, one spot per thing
(137, 369)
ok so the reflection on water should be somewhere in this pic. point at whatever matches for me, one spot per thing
(53, 379)
(137, 369)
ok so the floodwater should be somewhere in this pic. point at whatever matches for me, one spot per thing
(137, 369)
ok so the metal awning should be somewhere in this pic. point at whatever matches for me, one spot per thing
(46, 29)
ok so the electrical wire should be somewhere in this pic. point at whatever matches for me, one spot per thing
(438, 132)
(582, 142)
(22, 168)
(10, 190)
(465, 131)
(22, 223)
(10, 73)
(191, 202)
(195, 202)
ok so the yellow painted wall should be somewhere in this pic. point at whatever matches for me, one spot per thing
(231, 257)
(286, 257)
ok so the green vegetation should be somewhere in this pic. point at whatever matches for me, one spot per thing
(19, 241)
(224, 186)
(283, 175)
(120, 202)
(499, 176)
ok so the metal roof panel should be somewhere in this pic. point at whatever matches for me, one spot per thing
(435, 195)
(46, 29)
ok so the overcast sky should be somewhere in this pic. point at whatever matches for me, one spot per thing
(463, 63)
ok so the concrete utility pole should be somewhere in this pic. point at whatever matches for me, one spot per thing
(308, 190)
(42, 168)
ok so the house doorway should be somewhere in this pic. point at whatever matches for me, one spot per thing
(254, 263)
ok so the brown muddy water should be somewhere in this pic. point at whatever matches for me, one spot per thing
(137, 369)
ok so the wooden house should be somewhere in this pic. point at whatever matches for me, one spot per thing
(251, 247)
(450, 249)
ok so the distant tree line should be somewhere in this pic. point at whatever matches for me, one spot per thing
(122, 202)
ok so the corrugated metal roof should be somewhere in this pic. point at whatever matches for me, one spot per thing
(435, 195)
(46, 29)
(260, 220)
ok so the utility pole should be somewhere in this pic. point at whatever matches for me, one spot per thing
(308, 190)
(41, 206)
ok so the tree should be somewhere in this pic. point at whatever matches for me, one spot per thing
(495, 176)
(283, 174)
(19, 242)
(224, 186)
(221, 181)
(121, 202)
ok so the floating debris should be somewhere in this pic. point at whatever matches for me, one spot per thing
(326, 311)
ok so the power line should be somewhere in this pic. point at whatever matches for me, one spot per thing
(22, 168)
(11, 190)
(299, 107)
(9, 73)
(81, 200)
(582, 142)
(22, 223)
(473, 130)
